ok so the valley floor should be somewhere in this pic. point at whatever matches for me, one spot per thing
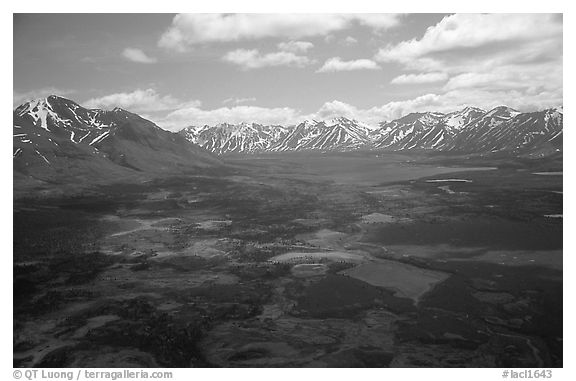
(347, 260)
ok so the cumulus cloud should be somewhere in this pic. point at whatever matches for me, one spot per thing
(374, 115)
(489, 55)
(336, 64)
(295, 46)
(376, 21)
(445, 102)
(173, 114)
(237, 101)
(187, 116)
(500, 38)
(253, 59)
(335, 109)
(506, 77)
(419, 78)
(190, 29)
(475, 43)
(286, 116)
(193, 115)
(137, 55)
(19, 98)
(537, 99)
(147, 100)
(349, 40)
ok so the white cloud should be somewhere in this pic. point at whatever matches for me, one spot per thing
(173, 114)
(374, 115)
(137, 55)
(336, 64)
(481, 80)
(190, 29)
(329, 38)
(253, 59)
(377, 21)
(147, 100)
(419, 78)
(295, 46)
(238, 101)
(521, 78)
(397, 109)
(446, 102)
(335, 109)
(465, 37)
(538, 99)
(491, 56)
(19, 98)
(187, 116)
(349, 40)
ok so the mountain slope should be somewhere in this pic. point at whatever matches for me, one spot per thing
(473, 130)
(57, 138)
(470, 130)
(458, 119)
(230, 138)
(424, 131)
(413, 131)
(340, 134)
(504, 129)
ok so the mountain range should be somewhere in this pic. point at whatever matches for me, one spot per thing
(470, 130)
(56, 138)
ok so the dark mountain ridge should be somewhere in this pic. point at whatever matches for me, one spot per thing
(55, 138)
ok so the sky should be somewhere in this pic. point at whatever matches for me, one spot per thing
(195, 69)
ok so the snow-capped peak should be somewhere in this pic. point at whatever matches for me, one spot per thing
(39, 110)
(338, 120)
(309, 123)
(458, 119)
(502, 112)
(61, 115)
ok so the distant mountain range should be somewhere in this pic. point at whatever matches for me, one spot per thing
(470, 130)
(57, 138)
(338, 134)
